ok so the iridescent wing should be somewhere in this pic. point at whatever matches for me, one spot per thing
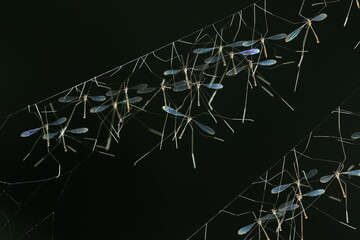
(277, 36)
(280, 188)
(249, 52)
(314, 193)
(213, 85)
(250, 43)
(246, 229)
(267, 62)
(30, 132)
(172, 111)
(78, 130)
(203, 50)
(294, 33)
(172, 72)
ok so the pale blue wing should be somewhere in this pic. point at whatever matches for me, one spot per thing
(29, 132)
(131, 100)
(49, 135)
(213, 85)
(78, 130)
(326, 178)
(319, 17)
(280, 188)
(58, 122)
(235, 44)
(180, 86)
(139, 86)
(249, 52)
(294, 33)
(146, 90)
(235, 71)
(213, 59)
(353, 173)
(112, 93)
(203, 50)
(205, 128)
(172, 111)
(290, 207)
(314, 193)
(246, 229)
(67, 99)
(172, 72)
(99, 108)
(267, 62)
(355, 135)
(277, 36)
(97, 98)
(250, 43)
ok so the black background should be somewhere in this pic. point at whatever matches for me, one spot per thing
(48, 46)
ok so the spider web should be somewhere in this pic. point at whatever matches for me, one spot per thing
(85, 132)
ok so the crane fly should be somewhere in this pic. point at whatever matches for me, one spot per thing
(262, 41)
(283, 187)
(315, 193)
(274, 214)
(189, 121)
(85, 98)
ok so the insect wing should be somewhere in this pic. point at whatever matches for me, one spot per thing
(97, 98)
(249, 43)
(277, 36)
(245, 229)
(235, 44)
(29, 132)
(172, 72)
(99, 108)
(353, 173)
(112, 93)
(213, 59)
(294, 34)
(235, 71)
(180, 86)
(205, 128)
(49, 136)
(67, 99)
(267, 62)
(249, 52)
(78, 130)
(326, 178)
(213, 85)
(58, 122)
(311, 173)
(172, 111)
(146, 90)
(315, 193)
(355, 135)
(203, 50)
(280, 188)
(319, 17)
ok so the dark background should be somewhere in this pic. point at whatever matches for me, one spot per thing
(48, 46)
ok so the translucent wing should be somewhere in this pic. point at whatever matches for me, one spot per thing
(280, 188)
(235, 71)
(250, 43)
(97, 98)
(180, 86)
(200, 67)
(172, 72)
(326, 178)
(131, 100)
(353, 173)
(172, 111)
(245, 229)
(99, 108)
(112, 93)
(319, 17)
(277, 36)
(294, 33)
(205, 128)
(315, 193)
(235, 44)
(213, 59)
(78, 130)
(355, 135)
(58, 122)
(139, 86)
(267, 62)
(146, 90)
(213, 85)
(203, 50)
(311, 173)
(67, 99)
(29, 132)
(249, 52)
(49, 135)
(288, 206)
